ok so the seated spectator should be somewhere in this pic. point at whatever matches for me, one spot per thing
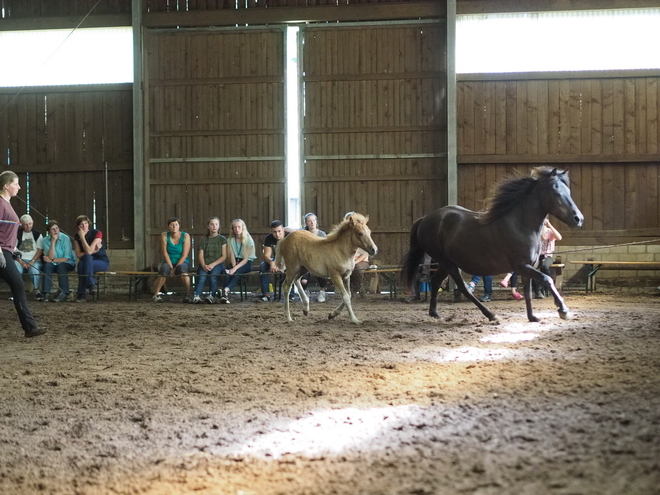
(211, 256)
(90, 249)
(311, 224)
(241, 256)
(488, 287)
(58, 257)
(267, 266)
(30, 248)
(175, 248)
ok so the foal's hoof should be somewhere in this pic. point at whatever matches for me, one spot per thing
(534, 319)
(565, 315)
(331, 316)
(305, 312)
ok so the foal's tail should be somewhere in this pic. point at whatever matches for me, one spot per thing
(413, 258)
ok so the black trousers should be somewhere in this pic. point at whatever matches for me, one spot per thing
(14, 280)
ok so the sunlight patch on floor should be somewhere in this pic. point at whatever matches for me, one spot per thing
(328, 432)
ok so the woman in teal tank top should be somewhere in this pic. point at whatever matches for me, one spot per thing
(175, 248)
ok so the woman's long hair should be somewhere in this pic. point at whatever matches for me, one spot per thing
(245, 236)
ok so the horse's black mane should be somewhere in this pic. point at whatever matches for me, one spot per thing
(512, 189)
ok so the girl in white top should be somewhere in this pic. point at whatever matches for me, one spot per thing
(241, 254)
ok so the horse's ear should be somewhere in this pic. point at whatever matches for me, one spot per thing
(366, 218)
(554, 172)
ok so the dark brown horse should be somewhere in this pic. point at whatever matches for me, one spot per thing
(505, 237)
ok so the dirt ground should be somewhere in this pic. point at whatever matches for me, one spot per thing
(144, 398)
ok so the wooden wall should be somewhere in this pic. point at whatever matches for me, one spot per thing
(375, 127)
(215, 137)
(19, 9)
(193, 5)
(76, 143)
(603, 130)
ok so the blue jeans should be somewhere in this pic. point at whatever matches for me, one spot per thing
(213, 276)
(62, 278)
(87, 267)
(232, 280)
(264, 276)
(33, 271)
(488, 283)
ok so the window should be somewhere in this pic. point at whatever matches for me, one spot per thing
(558, 41)
(63, 56)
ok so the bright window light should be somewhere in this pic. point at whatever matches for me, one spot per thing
(558, 41)
(293, 213)
(58, 57)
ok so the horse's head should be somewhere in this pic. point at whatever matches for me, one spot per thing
(361, 234)
(556, 197)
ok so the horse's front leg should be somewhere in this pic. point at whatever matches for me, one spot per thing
(542, 278)
(527, 292)
(303, 295)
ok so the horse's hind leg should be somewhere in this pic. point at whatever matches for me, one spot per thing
(286, 289)
(436, 280)
(456, 275)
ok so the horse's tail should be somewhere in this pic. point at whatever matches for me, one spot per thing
(413, 258)
(279, 257)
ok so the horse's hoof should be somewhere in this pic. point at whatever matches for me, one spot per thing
(331, 316)
(565, 315)
(305, 312)
(357, 322)
(434, 314)
(494, 318)
(534, 319)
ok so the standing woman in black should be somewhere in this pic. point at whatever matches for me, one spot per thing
(9, 224)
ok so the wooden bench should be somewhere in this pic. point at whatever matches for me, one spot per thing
(134, 279)
(593, 266)
(389, 274)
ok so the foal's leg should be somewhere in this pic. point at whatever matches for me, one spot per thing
(344, 289)
(456, 275)
(285, 292)
(303, 294)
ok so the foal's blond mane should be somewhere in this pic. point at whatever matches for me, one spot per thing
(345, 225)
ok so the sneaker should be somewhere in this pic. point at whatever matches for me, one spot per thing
(187, 300)
(35, 332)
(46, 298)
(38, 296)
(61, 298)
(538, 295)
(486, 298)
(321, 297)
(92, 290)
(471, 287)
(517, 295)
(209, 299)
(263, 299)
(158, 298)
(224, 300)
(197, 300)
(80, 298)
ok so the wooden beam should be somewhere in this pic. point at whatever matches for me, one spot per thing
(558, 75)
(93, 21)
(559, 159)
(504, 6)
(278, 15)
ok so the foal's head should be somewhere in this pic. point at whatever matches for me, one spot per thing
(356, 224)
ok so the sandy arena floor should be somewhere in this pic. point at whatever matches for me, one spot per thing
(144, 398)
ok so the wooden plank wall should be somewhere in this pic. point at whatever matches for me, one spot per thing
(603, 130)
(375, 126)
(69, 140)
(215, 134)
(19, 9)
